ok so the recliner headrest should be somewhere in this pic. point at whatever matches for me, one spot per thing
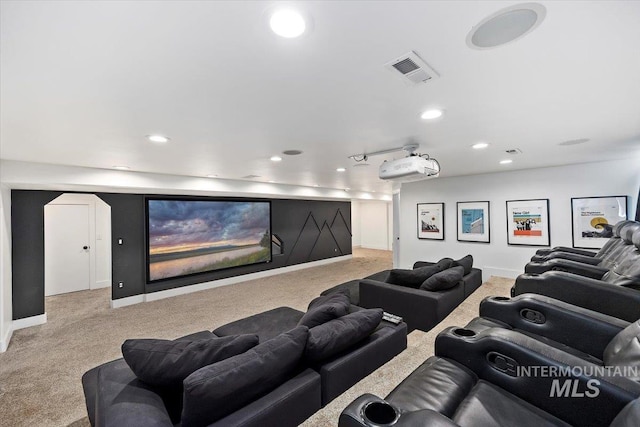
(620, 225)
(627, 232)
(636, 239)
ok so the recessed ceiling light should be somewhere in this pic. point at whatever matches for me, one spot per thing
(506, 25)
(316, 185)
(212, 175)
(480, 145)
(276, 158)
(122, 168)
(157, 138)
(431, 114)
(506, 161)
(340, 170)
(287, 23)
(271, 181)
(347, 189)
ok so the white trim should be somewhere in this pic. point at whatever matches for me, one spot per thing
(500, 272)
(101, 284)
(123, 302)
(27, 322)
(376, 247)
(4, 343)
(237, 279)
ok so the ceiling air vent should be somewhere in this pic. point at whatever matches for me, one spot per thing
(251, 176)
(513, 151)
(413, 69)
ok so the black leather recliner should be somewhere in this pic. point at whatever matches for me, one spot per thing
(482, 380)
(616, 251)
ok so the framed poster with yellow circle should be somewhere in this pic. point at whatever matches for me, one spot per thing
(593, 219)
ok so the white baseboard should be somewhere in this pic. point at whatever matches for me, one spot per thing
(27, 322)
(380, 248)
(123, 302)
(237, 279)
(4, 342)
(101, 284)
(500, 272)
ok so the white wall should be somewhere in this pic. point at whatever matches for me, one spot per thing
(5, 268)
(375, 224)
(558, 184)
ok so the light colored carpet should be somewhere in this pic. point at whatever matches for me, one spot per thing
(40, 372)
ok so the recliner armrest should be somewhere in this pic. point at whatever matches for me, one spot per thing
(556, 320)
(574, 267)
(597, 295)
(585, 259)
(543, 252)
(521, 366)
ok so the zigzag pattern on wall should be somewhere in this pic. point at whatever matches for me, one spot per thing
(313, 240)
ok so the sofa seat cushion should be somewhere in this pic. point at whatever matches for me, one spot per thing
(166, 363)
(219, 389)
(438, 384)
(489, 406)
(325, 308)
(443, 280)
(339, 334)
(266, 325)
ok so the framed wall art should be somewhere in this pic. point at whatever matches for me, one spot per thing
(473, 222)
(431, 221)
(593, 219)
(528, 222)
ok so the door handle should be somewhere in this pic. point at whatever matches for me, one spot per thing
(86, 247)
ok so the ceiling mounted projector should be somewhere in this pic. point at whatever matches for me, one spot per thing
(412, 168)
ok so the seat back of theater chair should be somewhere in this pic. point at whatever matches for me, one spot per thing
(629, 416)
(626, 272)
(614, 241)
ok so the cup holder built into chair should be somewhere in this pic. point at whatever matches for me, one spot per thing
(501, 298)
(380, 414)
(464, 332)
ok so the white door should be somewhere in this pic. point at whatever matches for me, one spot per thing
(66, 249)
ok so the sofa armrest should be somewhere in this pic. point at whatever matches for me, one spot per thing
(340, 373)
(616, 301)
(543, 252)
(556, 320)
(521, 366)
(420, 309)
(293, 401)
(353, 415)
(557, 264)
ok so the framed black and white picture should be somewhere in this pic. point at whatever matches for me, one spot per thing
(431, 221)
(528, 222)
(473, 222)
(593, 219)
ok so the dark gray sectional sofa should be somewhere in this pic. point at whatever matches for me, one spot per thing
(420, 308)
(300, 364)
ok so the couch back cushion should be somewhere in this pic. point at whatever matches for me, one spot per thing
(325, 308)
(444, 280)
(465, 262)
(412, 278)
(217, 390)
(166, 363)
(624, 348)
(337, 335)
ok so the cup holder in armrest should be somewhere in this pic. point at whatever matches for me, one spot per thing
(461, 332)
(500, 298)
(380, 414)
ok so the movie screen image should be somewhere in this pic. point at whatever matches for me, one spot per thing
(187, 237)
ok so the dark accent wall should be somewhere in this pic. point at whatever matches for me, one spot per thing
(310, 230)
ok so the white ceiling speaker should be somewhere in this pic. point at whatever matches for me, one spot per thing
(506, 25)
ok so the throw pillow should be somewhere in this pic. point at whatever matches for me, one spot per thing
(465, 262)
(444, 263)
(325, 308)
(166, 363)
(217, 390)
(338, 335)
(444, 280)
(412, 278)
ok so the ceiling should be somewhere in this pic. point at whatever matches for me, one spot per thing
(83, 83)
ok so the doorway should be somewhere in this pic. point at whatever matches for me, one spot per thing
(77, 244)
